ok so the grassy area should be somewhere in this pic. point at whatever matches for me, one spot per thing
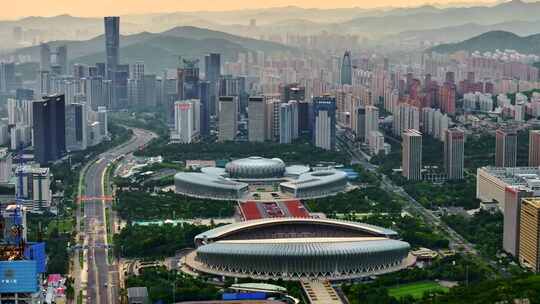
(416, 290)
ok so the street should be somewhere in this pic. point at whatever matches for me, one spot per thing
(102, 278)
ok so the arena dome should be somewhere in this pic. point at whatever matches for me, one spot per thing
(255, 168)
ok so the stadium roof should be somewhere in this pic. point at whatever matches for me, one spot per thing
(231, 228)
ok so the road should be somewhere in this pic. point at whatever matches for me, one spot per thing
(102, 278)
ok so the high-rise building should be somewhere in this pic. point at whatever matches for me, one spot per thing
(103, 121)
(513, 197)
(228, 118)
(412, 155)
(93, 91)
(112, 45)
(205, 106)
(346, 69)
(44, 57)
(372, 120)
(529, 234)
(62, 59)
(534, 148)
(447, 98)
(212, 65)
(76, 127)
(505, 148)
(293, 91)
(150, 91)
(361, 123)
(36, 188)
(136, 71)
(49, 128)
(188, 80)
(6, 165)
(324, 122)
(185, 113)
(454, 147)
(257, 119)
(288, 122)
(8, 81)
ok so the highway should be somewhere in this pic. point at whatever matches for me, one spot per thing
(102, 278)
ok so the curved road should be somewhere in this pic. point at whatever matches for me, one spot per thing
(102, 279)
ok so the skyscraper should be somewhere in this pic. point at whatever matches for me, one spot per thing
(288, 122)
(257, 119)
(371, 121)
(188, 80)
(454, 144)
(7, 77)
(76, 126)
(324, 122)
(228, 118)
(412, 155)
(44, 57)
(529, 234)
(534, 148)
(112, 44)
(205, 106)
(212, 65)
(49, 128)
(62, 58)
(505, 148)
(346, 69)
(361, 123)
(184, 122)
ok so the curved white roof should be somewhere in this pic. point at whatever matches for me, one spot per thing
(256, 167)
(208, 180)
(316, 179)
(227, 229)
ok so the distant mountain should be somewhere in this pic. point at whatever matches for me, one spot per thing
(493, 40)
(462, 32)
(439, 18)
(161, 50)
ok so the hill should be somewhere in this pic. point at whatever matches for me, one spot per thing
(161, 50)
(493, 40)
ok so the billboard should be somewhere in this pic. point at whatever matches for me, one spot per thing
(18, 276)
(244, 296)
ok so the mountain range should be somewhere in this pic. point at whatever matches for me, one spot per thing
(493, 40)
(161, 50)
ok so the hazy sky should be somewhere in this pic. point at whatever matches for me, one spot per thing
(16, 8)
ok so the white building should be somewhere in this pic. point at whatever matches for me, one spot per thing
(36, 192)
(186, 117)
(228, 118)
(6, 166)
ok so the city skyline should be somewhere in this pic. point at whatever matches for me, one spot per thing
(98, 8)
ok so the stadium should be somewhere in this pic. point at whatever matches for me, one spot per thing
(297, 248)
(258, 178)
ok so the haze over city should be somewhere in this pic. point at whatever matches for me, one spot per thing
(22, 8)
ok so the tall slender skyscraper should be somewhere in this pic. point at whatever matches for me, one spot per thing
(412, 155)
(228, 118)
(49, 128)
(112, 44)
(534, 148)
(454, 144)
(44, 57)
(257, 119)
(505, 148)
(346, 69)
(212, 72)
(324, 122)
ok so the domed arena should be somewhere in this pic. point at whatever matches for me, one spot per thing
(297, 248)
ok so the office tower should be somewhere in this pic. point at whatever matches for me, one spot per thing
(257, 119)
(360, 123)
(513, 197)
(8, 81)
(346, 69)
(324, 122)
(288, 122)
(112, 45)
(293, 91)
(120, 87)
(135, 93)
(6, 163)
(36, 188)
(93, 91)
(205, 108)
(454, 147)
(304, 112)
(272, 103)
(412, 155)
(534, 148)
(529, 234)
(107, 94)
(505, 148)
(371, 120)
(44, 83)
(184, 122)
(44, 57)
(62, 59)
(76, 127)
(150, 91)
(101, 70)
(212, 65)
(49, 129)
(137, 70)
(228, 118)
(80, 71)
(188, 80)
(103, 121)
